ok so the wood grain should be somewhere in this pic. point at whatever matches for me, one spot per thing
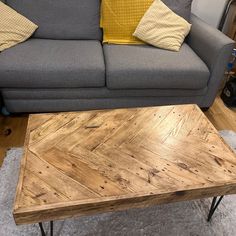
(83, 163)
(12, 133)
(222, 117)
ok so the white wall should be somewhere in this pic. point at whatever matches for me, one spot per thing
(209, 10)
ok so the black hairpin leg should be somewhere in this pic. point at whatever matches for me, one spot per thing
(51, 228)
(215, 203)
(42, 229)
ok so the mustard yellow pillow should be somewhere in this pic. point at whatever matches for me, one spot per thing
(119, 19)
(162, 28)
(14, 28)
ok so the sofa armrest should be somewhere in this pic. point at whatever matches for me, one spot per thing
(209, 43)
(214, 48)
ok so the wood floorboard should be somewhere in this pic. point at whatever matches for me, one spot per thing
(13, 128)
(222, 117)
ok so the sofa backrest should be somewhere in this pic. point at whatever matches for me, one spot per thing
(62, 19)
(180, 7)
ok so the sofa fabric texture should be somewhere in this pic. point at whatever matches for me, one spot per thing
(62, 19)
(146, 67)
(14, 28)
(180, 7)
(214, 48)
(162, 28)
(55, 105)
(86, 93)
(48, 63)
(65, 67)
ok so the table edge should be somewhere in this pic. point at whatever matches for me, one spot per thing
(59, 211)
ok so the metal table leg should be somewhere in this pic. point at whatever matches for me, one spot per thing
(51, 228)
(215, 203)
(42, 229)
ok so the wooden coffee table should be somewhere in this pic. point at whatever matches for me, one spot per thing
(84, 163)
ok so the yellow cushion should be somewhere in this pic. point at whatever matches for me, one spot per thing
(119, 19)
(14, 28)
(162, 28)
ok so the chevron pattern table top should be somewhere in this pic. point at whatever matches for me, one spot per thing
(83, 163)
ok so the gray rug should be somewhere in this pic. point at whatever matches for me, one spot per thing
(179, 219)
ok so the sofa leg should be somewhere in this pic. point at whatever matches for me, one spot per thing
(205, 108)
(5, 112)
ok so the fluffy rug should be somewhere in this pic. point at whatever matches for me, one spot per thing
(179, 219)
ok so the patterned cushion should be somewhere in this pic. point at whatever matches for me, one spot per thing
(120, 18)
(162, 28)
(14, 28)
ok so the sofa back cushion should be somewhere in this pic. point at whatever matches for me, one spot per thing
(180, 7)
(62, 19)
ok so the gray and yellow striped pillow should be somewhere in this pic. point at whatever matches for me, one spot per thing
(162, 28)
(14, 28)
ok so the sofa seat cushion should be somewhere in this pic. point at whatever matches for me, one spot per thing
(53, 63)
(143, 66)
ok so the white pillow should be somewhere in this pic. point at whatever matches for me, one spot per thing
(162, 28)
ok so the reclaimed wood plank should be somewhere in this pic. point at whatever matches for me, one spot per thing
(83, 163)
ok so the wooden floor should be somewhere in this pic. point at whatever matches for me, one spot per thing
(222, 117)
(12, 129)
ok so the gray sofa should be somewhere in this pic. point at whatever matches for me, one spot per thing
(65, 67)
